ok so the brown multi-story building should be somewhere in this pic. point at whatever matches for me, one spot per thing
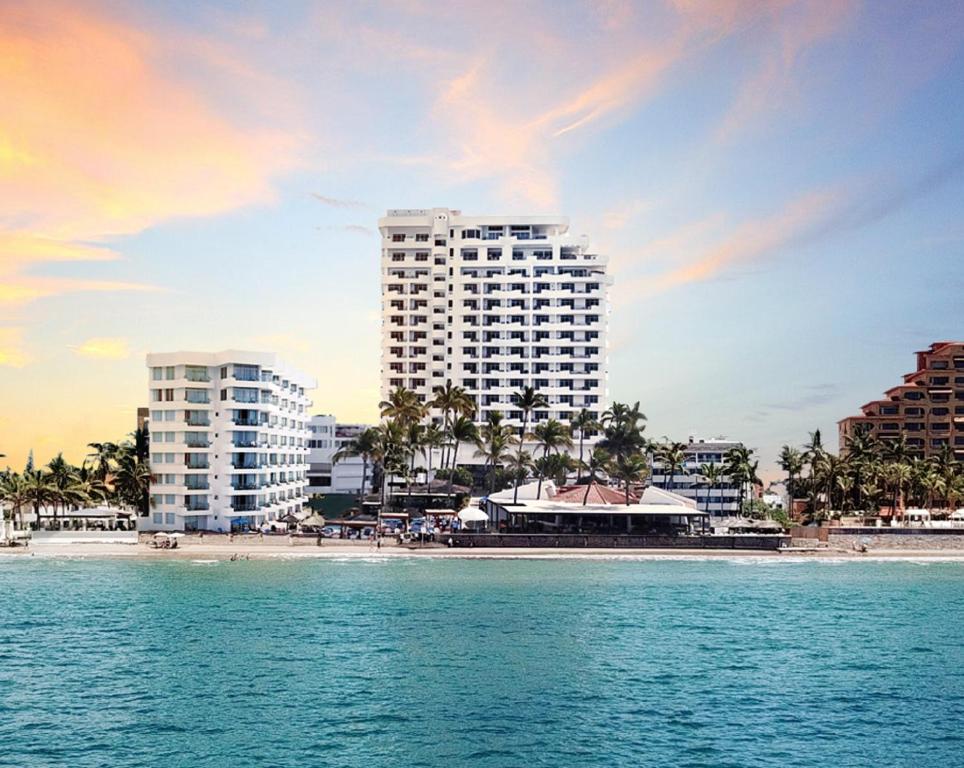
(927, 409)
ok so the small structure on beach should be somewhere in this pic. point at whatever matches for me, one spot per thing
(569, 510)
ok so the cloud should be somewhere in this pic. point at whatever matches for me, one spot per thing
(811, 217)
(618, 217)
(335, 202)
(12, 353)
(358, 229)
(103, 348)
(105, 133)
(792, 30)
(812, 395)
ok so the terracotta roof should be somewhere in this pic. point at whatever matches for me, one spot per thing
(598, 494)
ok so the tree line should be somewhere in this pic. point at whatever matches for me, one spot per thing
(623, 454)
(115, 474)
(868, 474)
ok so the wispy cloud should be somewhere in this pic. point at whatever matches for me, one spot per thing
(103, 135)
(809, 396)
(791, 30)
(12, 351)
(619, 216)
(811, 217)
(336, 202)
(103, 348)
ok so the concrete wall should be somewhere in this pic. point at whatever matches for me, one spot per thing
(897, 538)
(83, 537)
(579, 541)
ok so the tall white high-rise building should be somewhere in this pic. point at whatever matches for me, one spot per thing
(494, 304)
(229, 440)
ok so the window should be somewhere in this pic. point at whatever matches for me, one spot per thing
(158, 516)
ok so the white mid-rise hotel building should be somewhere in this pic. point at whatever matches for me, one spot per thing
(495, 304)
(325, 475)
(229, 440)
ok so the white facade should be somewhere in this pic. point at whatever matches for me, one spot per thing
(721, 500)
(495, 304)
(229, 440)
(327, 437)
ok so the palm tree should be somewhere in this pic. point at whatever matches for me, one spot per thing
(495, 441)
(102, 458)
(364, 445)
(14, 491)
(414, 444)
(404, 406)
(451, 401)
(526, 400)
(599, 460)
(550, 435)
(630, 469)
(389, 455)
(432, 438)
(741, 469)
(40, 490)
(133, 482)
(712, 475)
(463, 430)
(584, 422)
(62, 476)
(791, 462)
(673, 458)
(863, 452)
(554, 466)
(899, 475)
(828, 468)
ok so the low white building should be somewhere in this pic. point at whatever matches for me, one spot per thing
(326, 437)
(229, 440)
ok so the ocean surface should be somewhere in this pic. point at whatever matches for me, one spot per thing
(431, 662)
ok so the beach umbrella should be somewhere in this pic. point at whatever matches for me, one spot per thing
(313, 521)
(473, 515)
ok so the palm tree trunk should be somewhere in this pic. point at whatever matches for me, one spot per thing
(515, 492)
(542, 473)
(579, 466)
(455, 456)
(364, 477)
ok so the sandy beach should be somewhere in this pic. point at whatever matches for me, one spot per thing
(226, 550)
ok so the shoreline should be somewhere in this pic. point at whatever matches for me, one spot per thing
(363, 551)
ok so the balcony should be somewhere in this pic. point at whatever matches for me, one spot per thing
(198, 506)
(196, 483)
(196, 461)
(195, 442)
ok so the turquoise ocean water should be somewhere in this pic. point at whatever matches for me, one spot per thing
(418, 662)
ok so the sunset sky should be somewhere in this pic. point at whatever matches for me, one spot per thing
(779, 185)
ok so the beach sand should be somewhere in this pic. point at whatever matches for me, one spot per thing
(225, 550)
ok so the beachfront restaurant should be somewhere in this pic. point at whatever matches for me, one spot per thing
(654, 512)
